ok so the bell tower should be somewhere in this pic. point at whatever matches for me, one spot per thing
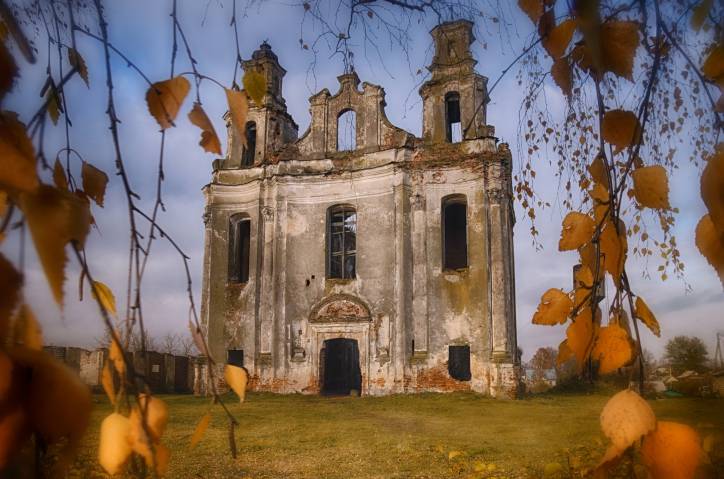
(268, 126)
(455, 98)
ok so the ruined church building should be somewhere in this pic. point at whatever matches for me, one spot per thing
(369, 263)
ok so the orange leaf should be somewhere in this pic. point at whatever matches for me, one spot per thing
(27, 329)
(613, 248)
(554, 308)
(577, 230)
(200, 429)
(238, 107)
(104, 295)
(236, 378)
(713, 67)
(209, 140)
(532, 8)
(10, 282)
(711, 245)
(620, 128)
(164, 99)
(580, 334)
(254, 85)
(108, 383)
(115, 354)
(613, 348)
(559, 37)
(561, 73)
(597, 169)
(8, 70)
(17, 156)
(672, 451)
(583, 277)
(94, 182)
(59, 179)
(651, 186)
(699, 14)
(625, 418)
(644, 314)
(564, 353)
(712, 189)
(55, 217)
(76, 61)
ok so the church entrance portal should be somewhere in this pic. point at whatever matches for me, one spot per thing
(339, 361)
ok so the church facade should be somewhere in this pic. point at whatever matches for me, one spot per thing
(360, 259)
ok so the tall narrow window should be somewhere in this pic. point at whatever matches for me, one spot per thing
(347, 131)
(454, 232)
(250, 148)
(239, 233)
(341, 242)
(453, 124)
(458, 363)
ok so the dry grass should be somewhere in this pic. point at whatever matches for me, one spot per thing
(395, 436)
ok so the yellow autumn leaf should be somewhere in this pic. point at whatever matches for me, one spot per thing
(164, 99)
(614, 247)
(620, 128)
(156, 414)
(94, 182)
(163, 454)
(597, 169)
(712, 189)
(619, 41)
(27, 329)
(114, 448)
(59, 179)
(109, 385)
(699, 14)
(713, 67)
(255, 86)
(52, 102)
(579, 335)
(57, 402)
(644, 314)
(561, 73)
(532, 8)
(55, 217)
(76, 61)
(200, 429)
(613, 348)
(599, 193)
(651, 186)
(554, 308)
(104, 295)
(564, 353)
(115, 354)
(672, 451)
(209, 140)
(577, 230)
(238, 108)
(711, 245)
(583, 277)
(625, 418)
(559, 37)
(236, 378)
(17, 156)
(10, 282)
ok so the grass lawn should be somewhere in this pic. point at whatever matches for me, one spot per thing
(415, 436)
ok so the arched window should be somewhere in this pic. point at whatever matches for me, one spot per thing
(239, 236)
(250, 148)
(341, 242)
(453, 126)
(347, 130)
(454, 232)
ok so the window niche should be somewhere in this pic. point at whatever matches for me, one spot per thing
(454, 232)
(453, 124)
(239, 239)
(342, 242)
(458, 362)
(247, 157)
(347, 130)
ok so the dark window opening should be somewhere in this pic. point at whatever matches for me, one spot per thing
(458, 363)
(342, 242)
(454, 240)
(239, 237)
(453, 125)
(347, 131)
(235, 357)
(339, 367)
(250, 148)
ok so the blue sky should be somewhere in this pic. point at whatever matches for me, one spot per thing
(142, 30)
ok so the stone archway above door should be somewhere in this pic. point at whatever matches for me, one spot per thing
(340, 308)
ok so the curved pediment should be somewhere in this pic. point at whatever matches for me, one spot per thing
(340, 308)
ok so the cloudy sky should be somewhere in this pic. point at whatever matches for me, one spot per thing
(142, 30)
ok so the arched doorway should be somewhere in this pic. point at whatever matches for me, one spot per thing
(339, 364)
